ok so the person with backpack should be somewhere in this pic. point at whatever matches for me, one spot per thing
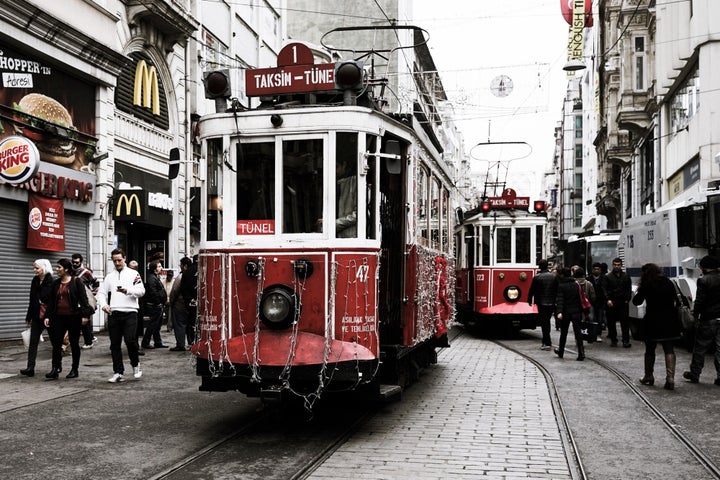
(88, 279)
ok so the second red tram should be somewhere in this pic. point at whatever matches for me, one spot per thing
(327, 230)
(498, 246)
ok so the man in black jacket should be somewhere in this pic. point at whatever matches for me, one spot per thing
(543, 291)
(155, 299)
(618, 291)
(706, 311)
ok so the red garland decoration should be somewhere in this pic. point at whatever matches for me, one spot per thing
(442, 305)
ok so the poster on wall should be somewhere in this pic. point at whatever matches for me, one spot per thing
(54, 109)
(46, 223)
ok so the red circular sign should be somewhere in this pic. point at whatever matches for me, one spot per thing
(19, 160)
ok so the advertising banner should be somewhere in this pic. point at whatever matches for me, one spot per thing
(46, 223)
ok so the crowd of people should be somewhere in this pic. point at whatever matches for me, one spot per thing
(600, 300)
(64, 304)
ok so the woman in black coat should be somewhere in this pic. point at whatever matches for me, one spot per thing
(40, 288)
(660, 324)
(67, 311)
(569, 310)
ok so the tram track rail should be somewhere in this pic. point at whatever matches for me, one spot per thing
(696, 452)
(572, 453)
(326, 439)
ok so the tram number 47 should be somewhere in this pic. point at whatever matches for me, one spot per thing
(362, 273)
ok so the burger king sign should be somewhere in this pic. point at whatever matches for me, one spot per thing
(19, 160)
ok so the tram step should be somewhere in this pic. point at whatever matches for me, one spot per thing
(390, 392)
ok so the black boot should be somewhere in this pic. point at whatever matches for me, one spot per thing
(649, 379)
(53, 374)
(73, 373)
(28, 372)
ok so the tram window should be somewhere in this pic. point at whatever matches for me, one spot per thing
(444, 221)
(485, 245)
(522, 245)
(346, 177)
(503, 244)
(435, 213)
(714, 221)
(256, 181)
(539, 243)
(303, 185)
(371, 189)
(214, 189)
(421, 205)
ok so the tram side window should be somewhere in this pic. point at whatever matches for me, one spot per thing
(256, 181)
(303, 185)
(435, 213)
(522, 245)
(421, 205)
(503, 243)
(445, 221)
(371, 183)
(214, 189)
(485, 245)
(346, 177)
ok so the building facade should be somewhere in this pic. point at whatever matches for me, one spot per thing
(125, 80)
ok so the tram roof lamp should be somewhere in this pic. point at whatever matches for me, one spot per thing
(574, 65)
(349, 74)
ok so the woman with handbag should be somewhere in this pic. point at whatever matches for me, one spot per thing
(67, 310)
(569, 310)
(660, 324)
(40, 288)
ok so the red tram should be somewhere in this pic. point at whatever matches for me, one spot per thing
(498, 247)
(325, 262)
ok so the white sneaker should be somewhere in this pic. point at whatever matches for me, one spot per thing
(87, 347)
(116, 378)
(137, 373)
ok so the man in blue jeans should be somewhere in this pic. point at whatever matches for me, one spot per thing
(706, 311)
(118, 297)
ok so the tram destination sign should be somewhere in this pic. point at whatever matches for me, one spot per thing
(290, 79)
(509, 200)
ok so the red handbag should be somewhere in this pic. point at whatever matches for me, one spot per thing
(584, 302)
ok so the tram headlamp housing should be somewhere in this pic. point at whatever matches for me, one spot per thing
(277, 307)
(512, 293)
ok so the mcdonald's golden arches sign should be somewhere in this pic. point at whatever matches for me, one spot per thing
(129, 205)
(140, 91)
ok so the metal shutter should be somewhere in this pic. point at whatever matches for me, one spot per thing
(16, 261)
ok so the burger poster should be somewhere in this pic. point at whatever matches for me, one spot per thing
(46, 223)
(54, 109)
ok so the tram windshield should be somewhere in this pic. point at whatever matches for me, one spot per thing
(283, 185)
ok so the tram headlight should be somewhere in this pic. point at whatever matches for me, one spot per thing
(512, 293)
(277, 307)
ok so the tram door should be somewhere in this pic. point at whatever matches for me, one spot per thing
(393, 226)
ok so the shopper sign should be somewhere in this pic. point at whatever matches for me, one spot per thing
(19, 160)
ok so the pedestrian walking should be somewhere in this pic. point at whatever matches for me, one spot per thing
(67, 310)
(179, 309)
(660, 324)
(118, 297)
(596, 278)
(569, 311)
(40, 290)
(543, 291)
(706, 311)
(188, 289)
(155, 298)
(88, 279)
(617, 291)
